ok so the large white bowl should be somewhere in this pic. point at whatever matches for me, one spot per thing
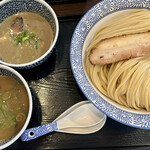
(7, 71)
(97, 16)
(11, 7)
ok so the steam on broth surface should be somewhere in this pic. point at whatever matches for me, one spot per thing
(14, 106)
(26, 45)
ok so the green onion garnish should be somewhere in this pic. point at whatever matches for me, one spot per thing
(26, 36)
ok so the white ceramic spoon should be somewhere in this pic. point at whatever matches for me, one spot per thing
(85, 130)
(82, 116)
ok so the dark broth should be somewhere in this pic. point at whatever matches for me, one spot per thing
(14, 106)
(27, 45)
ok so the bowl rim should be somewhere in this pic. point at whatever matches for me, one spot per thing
(28, 64)
(30, 105)
(76, 60)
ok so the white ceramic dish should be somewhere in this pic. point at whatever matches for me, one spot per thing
(97, 16)
(7, 71)
(11, 7)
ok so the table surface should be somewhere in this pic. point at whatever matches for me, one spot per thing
(54, 90)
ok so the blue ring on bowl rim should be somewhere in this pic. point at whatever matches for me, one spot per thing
(84, 26)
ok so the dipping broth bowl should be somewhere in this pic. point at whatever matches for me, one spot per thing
(10, 72)
(11, 7)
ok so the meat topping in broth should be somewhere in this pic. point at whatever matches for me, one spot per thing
(24, 37)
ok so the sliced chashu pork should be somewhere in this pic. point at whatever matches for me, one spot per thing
(119, 48)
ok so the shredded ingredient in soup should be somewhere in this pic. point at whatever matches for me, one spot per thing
(26, 37)
(14, 105)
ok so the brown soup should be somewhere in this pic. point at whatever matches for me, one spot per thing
(14, 106)
(27, 44)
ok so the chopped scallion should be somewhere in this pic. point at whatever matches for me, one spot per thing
(26, 36)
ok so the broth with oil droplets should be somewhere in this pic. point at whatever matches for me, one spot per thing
(28, 44)
(14, 107)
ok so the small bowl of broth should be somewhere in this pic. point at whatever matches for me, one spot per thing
(28, 32)
(15, 105)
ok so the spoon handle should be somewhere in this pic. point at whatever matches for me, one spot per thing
(33, 133)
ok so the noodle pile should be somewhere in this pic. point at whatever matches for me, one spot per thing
(126, 82)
